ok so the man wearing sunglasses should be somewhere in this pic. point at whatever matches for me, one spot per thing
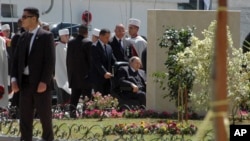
(32, 75)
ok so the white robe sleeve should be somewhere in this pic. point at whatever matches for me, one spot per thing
(140, 44)
(3, 73)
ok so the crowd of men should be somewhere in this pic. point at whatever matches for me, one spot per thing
(32, 63)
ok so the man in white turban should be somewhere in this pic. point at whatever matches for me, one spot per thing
(45, 26)
(3, 74)
(95, 35)
(6, 30)
(60, 70)
(6, 35)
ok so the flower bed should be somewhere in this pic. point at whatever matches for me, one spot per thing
(113, 113)
(107, 107)
(161, 127)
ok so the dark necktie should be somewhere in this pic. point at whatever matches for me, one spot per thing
(120, 45)
(105, 50)
(27, 49)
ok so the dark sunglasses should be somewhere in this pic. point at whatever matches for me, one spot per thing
(25, 17)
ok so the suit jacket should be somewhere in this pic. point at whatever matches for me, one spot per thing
(126, 78)
(14, 41)
(102, 62)
(41, 60)
(124, 53)
(144, 59)
(78, 61)
(118, 52)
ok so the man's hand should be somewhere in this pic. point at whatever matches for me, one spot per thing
(14, 86)
(42, 87)
(107, 75)
(135, 88)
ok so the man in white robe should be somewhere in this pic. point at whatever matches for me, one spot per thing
(3, 73)
(139, 43)
(95, 35)
(61, 70)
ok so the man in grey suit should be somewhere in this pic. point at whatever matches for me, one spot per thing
(32, 75)
(78, 62)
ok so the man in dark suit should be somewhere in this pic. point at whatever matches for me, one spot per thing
(78, 62)
(15, 99)
(32, 75)
(132, 81)
(102, 63)
(122, 48)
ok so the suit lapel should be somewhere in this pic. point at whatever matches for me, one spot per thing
(99, 45)
(132, 73)
(23, 44)
(105, 56)
(117, 45)
(116, 41)
(35, 41)
(141, 76)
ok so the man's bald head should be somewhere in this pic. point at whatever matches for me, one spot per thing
(119, 31)
(135, 62)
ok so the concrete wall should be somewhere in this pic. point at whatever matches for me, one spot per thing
(156, 56)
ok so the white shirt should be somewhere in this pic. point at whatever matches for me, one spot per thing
(26, 69)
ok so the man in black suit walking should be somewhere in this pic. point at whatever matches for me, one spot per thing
(32, 75)
(103, 60)
(78, 62)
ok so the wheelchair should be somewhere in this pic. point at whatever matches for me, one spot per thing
(116, 89)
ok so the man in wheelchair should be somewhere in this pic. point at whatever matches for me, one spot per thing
(131, 83)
